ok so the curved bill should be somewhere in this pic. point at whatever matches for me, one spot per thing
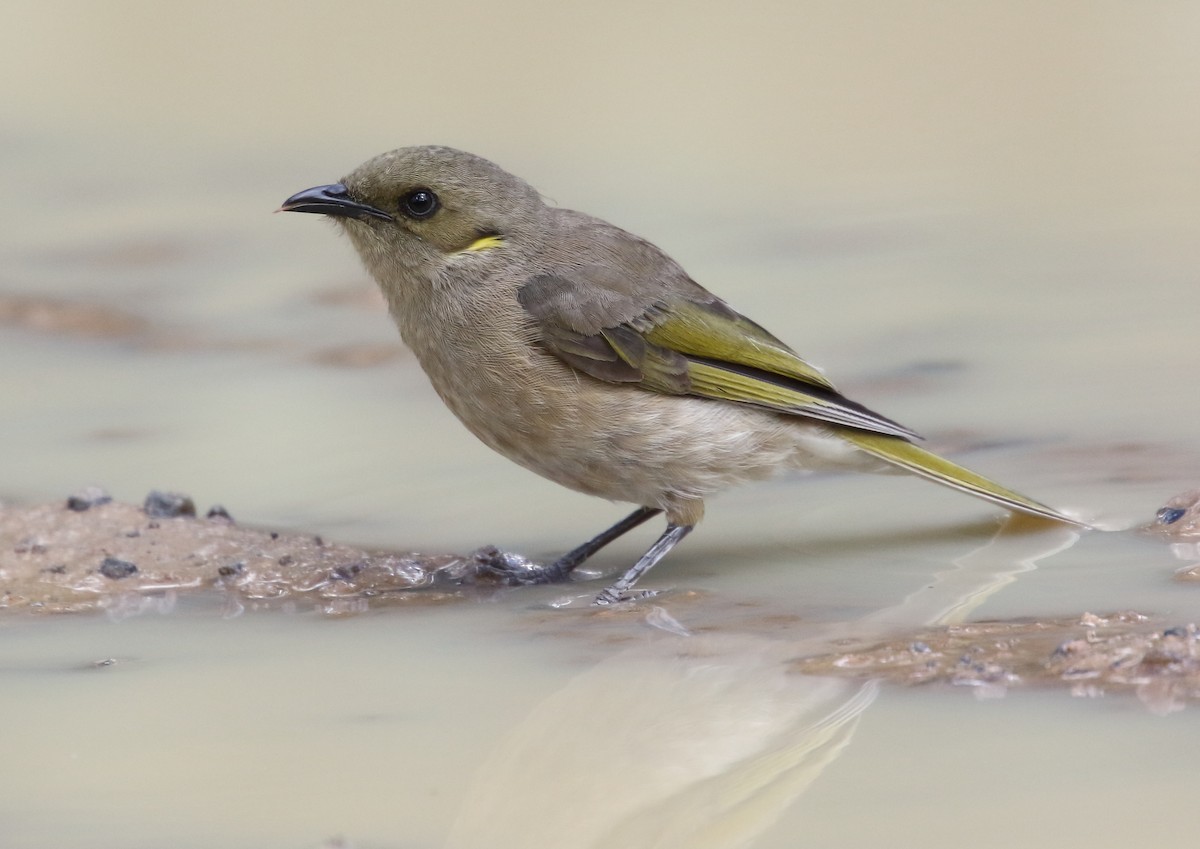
(332, 200)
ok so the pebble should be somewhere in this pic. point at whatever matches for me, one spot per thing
(1170, 515)
(86, 498)
(168, 505)
(115, 568)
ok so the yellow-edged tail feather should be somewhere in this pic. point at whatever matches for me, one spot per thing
(917, 460)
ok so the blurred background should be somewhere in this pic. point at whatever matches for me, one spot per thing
(981, 219)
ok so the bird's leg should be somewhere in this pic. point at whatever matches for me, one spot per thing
(670, 538)
(566, 564)
(524, 572)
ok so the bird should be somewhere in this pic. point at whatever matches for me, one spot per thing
(588, 355)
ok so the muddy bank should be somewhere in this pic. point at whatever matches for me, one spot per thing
(91, 553)
(1091, 655)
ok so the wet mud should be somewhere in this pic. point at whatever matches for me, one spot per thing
(90, 553)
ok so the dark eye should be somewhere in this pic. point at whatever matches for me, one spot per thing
(419, 203)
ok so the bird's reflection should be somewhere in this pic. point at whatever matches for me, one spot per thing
(686, 741)
(699, 740)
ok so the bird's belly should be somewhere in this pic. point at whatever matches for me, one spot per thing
(628, 444)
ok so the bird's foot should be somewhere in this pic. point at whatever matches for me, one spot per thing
(610, 596)
(515, 570)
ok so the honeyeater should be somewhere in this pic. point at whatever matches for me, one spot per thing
(586, 354)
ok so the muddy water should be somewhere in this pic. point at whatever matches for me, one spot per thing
(982, 221)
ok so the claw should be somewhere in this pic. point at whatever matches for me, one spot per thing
(512, 569)
(610, 596)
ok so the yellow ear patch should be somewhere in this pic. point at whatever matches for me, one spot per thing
(484, 243)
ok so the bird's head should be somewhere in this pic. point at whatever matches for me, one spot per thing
(416, 211)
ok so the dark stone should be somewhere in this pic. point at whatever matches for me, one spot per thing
(86, 498)
(218, 512)
(112, 567)
(1170, 515)
(168, 505)
(231, 570)
(348, 572)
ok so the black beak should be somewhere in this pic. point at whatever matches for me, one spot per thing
(331, 200)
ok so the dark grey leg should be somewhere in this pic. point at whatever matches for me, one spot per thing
(516, 570)
(566, 564)
(670, 538)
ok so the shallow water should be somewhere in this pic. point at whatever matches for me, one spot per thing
(981, 220)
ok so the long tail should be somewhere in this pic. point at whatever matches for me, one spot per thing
(929, 465)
